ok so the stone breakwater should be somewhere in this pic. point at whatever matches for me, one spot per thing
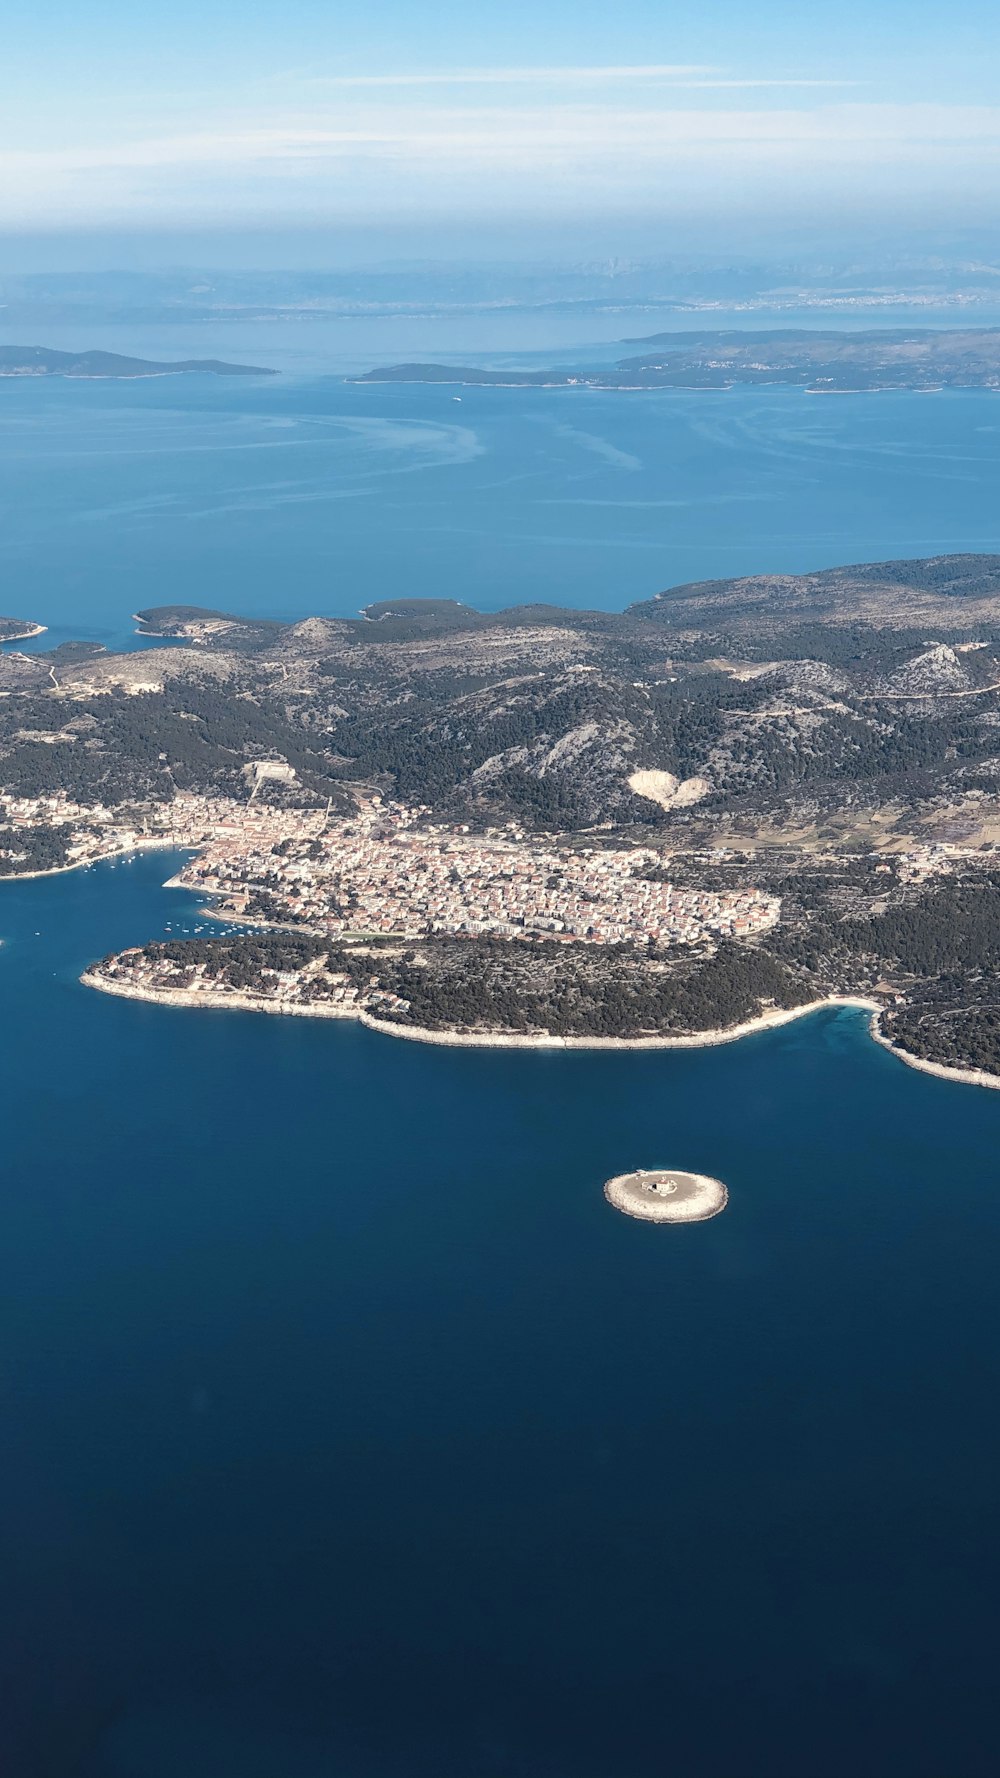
(661, 1195)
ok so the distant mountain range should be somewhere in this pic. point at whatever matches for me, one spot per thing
(823, 361)
(954, 275)
(42, 361)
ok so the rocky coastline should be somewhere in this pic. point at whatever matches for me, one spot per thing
(971, 1077)
(498, 1040)
(237, 1001)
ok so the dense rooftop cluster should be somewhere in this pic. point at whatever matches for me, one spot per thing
(390, 870)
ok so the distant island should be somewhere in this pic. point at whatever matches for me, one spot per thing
(44, 361)
(827, 362)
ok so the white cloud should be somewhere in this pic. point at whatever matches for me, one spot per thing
(518, 76)
(511, 136)
(352, 157)
(694, 77)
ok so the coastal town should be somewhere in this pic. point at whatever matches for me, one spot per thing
(433, 928)
(389, 870)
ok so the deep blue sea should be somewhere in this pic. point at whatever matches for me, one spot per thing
(345, 1432)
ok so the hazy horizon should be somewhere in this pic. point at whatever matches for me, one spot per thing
(379, 134)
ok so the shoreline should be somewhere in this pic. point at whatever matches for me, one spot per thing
(703, 1198)
(969, 1077)
(27, 635)
(670, 388)
(710, 1039)
(60, 870)
(499, 1040)
(239, 1001)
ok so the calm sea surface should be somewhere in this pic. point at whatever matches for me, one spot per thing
(345, 1432)
(303, 494)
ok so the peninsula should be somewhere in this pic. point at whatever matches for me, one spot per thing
(730, 804)
(43, 361)
(822, 361)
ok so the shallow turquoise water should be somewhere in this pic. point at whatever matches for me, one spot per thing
(348, 1432)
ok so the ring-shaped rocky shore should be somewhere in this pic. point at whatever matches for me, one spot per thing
(661, 1194)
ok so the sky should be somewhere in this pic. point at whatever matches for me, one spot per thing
(227, 115)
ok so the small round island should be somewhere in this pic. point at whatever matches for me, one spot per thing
(658, 1194)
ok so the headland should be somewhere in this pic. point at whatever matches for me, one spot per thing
(223, 998)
